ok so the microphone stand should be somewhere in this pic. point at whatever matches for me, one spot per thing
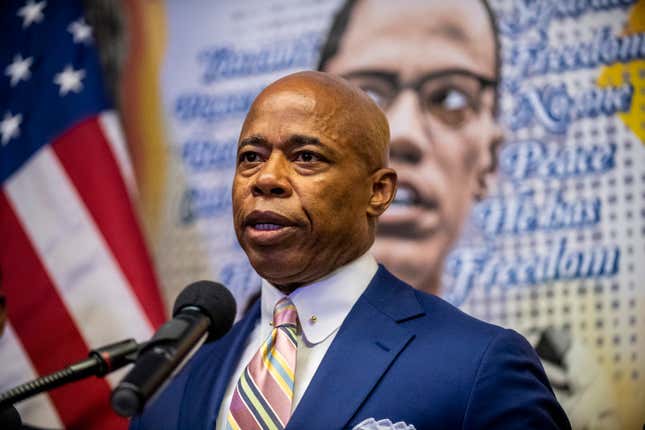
(101, 361)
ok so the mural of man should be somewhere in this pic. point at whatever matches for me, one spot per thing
(433, 68)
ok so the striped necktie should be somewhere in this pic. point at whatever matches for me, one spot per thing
(264, 393)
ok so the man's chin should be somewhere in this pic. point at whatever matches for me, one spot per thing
(417, 263)
(276, 266)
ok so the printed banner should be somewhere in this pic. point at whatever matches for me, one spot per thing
(517, 131)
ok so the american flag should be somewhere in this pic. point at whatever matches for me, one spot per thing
(73, 263)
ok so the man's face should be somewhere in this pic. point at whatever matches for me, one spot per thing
(300, 190)
(429, 64)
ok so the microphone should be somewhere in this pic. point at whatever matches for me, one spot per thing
(204, 310)
(101, 361)
(10, 419)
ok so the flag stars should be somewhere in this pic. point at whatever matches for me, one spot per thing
(19, 69)
(31, 12)
(10, 127)
(69, 80)
(81, 32)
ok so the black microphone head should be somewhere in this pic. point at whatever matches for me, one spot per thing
(215, 300)
(9, 418)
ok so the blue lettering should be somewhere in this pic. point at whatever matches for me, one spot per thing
(534, 57)
(528, 14)
(203, 155)
(225, 62)
(552, 107)
(198, 203)
(467, 269)
(525, 214)
(211, 108)
(532, 158)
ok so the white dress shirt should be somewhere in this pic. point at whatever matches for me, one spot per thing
(322, 307)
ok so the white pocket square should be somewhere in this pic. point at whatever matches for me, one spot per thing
(385, 424)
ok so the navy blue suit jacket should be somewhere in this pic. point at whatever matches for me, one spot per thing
(400, 354)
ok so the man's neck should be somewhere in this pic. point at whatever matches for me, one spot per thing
(289, 286)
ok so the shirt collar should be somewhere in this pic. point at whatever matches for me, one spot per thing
(323, 305)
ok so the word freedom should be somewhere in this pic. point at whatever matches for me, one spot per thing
(484, 269)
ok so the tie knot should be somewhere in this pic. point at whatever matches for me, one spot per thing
(285, 313)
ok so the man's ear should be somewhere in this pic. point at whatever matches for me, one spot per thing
(383, 190)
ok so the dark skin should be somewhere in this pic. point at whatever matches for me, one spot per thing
(311, 178)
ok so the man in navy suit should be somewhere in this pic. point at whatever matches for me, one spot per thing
(311, 180)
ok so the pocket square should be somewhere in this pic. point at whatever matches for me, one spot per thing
(384, 424)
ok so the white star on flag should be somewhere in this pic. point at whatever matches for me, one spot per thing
(80, 31)
(31, 12)
(69, 80)
(10, 127)
(19, 69)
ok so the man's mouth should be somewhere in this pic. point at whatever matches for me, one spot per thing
(407, 195)
(410, 215)
(267, 227)
(267, 220)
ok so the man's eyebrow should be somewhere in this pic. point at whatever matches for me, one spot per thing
(297, 140)
(253, 140)
(371, 73)
(450, 30)
(292, 142)
(440, 73)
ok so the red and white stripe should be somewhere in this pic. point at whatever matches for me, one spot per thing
(16, 369)
(109, 123)
(74, 268)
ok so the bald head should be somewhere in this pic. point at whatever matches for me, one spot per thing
(341, 111)
(311, 178)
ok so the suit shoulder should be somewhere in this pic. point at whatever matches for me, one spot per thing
(486, 357)
(527, 400)
(442, 314)
(437, 305)
(423, 312)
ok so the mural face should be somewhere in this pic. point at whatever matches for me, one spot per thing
(431, 67)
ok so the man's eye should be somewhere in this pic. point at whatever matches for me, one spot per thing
(377, 96)
(450, 105)
(249, 157)
(450, 99)
(306, 157)
(455, 100)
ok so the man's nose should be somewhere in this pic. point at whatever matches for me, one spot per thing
(407, 134)
(273, 178)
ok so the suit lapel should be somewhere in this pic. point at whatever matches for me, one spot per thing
(367, 343)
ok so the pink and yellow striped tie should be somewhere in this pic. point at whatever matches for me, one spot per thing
(263, 395)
